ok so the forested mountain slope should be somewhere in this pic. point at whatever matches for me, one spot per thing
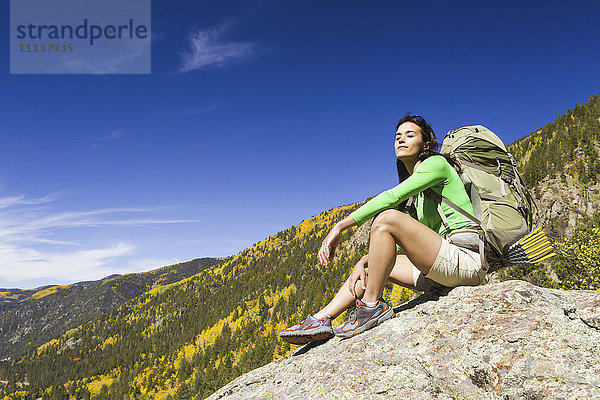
(569, 145)
(31, 317)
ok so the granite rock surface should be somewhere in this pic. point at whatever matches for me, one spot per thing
(509, 340)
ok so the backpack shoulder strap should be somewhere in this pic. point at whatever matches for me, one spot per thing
(439, 199)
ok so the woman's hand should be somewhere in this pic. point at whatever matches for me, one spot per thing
(332, 240)
(359, 274)
(329, 245)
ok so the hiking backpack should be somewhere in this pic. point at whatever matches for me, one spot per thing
(502, 204)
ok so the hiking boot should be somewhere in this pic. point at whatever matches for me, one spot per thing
(309, 330)
(363, 318)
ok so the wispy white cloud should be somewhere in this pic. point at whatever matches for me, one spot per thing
(33, 245)
(114, 135)
(13, 201)
(25, 264)
(208, 48)
(33, 224)
(201, 110)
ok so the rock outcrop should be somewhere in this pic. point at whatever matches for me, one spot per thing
(565, 202)
(509, 340)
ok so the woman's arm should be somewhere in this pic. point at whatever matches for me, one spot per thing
(333, 239)
(431, 172)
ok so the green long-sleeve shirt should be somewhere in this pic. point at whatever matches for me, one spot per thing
(435, 173)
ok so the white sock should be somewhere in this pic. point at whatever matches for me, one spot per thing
(321, 315)
(370, 305)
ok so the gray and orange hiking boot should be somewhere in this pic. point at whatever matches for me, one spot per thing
(363, 318)
(309, 330)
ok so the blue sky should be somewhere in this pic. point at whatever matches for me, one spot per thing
(258, 115)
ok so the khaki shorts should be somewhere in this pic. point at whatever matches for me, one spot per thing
(454, 266)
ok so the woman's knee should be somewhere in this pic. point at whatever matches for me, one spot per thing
(387, 219)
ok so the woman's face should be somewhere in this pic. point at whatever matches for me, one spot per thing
(409, 141)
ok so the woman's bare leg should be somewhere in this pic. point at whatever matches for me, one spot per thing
(401, 274)
(420, 243)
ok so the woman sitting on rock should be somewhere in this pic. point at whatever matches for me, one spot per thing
(430, 260)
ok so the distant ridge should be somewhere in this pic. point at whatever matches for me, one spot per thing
(28, 318)
(103, 279)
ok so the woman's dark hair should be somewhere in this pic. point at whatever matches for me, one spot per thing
(428, 136)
